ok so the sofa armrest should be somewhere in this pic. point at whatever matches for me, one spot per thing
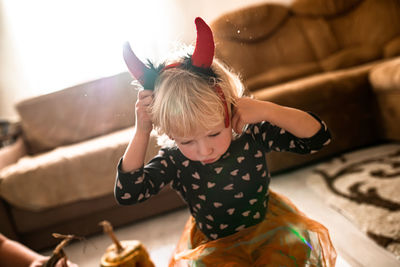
(385, 80)
(10, 154)
(386, 76)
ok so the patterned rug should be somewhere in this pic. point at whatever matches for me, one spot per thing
(365, 187)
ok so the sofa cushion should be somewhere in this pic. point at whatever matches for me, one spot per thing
(350, 57)
(372, 22)
(67, 174)
(77, 113)
(281, 74)
(255, 58)
(323, 7)
(252, 23)
(320, 36)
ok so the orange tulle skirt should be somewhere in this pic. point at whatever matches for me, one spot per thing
(285, 238)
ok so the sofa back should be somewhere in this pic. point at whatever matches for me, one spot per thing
(269, 44)
(77, 113)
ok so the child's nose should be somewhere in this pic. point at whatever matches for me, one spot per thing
(205, 149)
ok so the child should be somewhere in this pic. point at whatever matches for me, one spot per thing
(221, 175)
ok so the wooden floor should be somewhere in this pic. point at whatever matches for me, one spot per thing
(160, 234)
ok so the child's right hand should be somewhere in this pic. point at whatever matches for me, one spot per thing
(143, 119)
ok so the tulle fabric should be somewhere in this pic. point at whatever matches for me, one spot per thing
(285, 238)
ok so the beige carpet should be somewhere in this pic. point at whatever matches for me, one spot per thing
(365, 187)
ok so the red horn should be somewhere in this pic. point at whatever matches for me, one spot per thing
(204, 51)
(136, 67)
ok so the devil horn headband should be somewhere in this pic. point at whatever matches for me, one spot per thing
(199, 62)
(204, 51)
(145, 75)
(202, 56)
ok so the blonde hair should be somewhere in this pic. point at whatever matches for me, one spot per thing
(184, 102)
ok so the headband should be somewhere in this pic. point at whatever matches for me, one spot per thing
(200, 63)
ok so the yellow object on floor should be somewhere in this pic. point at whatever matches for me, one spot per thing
(134, 254)
(128, 253)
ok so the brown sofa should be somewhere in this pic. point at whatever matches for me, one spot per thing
(315, 55)
(59, 175)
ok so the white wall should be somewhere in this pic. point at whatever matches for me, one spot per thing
(48, 45)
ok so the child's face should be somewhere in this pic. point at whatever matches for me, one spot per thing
(206, 146)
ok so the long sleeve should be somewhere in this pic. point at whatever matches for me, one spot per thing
(277, 139)
(141, 184)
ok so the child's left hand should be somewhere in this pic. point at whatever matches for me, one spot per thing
(250, 111)
(246, 111)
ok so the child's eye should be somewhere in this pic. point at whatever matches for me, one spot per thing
(215, 134)
(186, 142)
